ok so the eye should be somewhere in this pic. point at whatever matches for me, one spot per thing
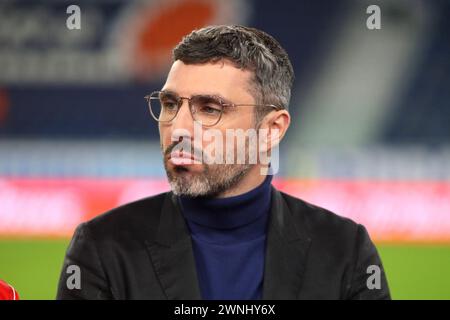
(210, 109)
(169, 106)
(207, 106)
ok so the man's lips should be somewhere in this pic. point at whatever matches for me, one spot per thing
(182, 158)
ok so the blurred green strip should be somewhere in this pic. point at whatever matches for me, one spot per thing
(32, 266)
(417, 271)
(414, 271)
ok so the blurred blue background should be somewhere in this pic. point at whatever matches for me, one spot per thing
(381, 91)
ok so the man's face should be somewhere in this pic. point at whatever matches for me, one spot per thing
(219, 79)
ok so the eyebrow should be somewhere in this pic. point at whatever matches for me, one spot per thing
(224, 100)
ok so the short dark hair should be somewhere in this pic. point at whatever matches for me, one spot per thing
(247, 48)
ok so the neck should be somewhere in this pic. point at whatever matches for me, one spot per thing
(229, 212)
(252, 179)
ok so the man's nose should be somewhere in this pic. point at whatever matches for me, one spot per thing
(183, 124)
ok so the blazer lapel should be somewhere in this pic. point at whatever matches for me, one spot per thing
(172, 255)
(286, 252)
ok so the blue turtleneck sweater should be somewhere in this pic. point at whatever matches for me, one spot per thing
(228, 238)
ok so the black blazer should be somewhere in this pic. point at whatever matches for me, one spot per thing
(143, 250)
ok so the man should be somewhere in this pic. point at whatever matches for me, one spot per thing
(223, 232)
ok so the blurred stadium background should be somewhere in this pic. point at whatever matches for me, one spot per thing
(370, 137)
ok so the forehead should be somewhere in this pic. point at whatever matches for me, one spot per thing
(221, 77)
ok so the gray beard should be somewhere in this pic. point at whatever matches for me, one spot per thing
(211, 182)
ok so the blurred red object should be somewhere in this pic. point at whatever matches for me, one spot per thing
(7, 292)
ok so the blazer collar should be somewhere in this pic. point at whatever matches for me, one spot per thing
(174, 263)
(172, 255)
(286, 252)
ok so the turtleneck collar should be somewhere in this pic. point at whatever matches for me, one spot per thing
(241, 217)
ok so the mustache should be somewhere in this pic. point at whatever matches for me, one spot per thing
(173, 145)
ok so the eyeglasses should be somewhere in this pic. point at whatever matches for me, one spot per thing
(206, 109)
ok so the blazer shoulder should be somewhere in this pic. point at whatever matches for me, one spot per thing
(341, 245)
(320, 222)
(136, 218)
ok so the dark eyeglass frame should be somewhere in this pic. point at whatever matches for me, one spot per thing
(179, 100)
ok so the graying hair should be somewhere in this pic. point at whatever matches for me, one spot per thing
(247, 48)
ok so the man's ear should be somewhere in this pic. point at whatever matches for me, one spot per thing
(275, 125)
